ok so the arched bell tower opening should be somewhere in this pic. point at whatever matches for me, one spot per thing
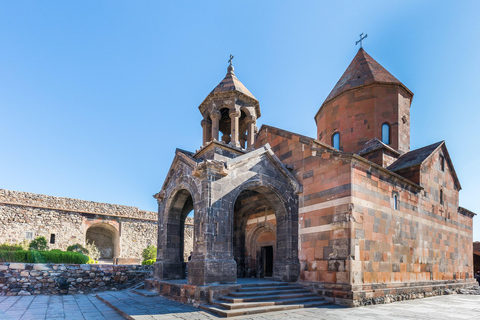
(225, 126)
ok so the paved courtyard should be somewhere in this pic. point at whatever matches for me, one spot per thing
(134, 306)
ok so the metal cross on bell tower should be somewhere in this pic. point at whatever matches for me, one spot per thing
(361, 40)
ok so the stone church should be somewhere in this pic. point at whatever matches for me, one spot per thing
(352, 213)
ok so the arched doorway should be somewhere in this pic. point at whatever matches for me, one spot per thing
(255, 232)
(261, 244)
(171, 254)
(105, 238)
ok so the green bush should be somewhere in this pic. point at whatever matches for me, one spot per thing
(39, 244)
(150, 252)
(148, 262)
(78, 248)
(33, 256)
(91, 261)
(10, 247)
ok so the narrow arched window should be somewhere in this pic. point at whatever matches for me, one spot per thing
(395, 202)
(386, 133)
(441, 196)
(336, 140)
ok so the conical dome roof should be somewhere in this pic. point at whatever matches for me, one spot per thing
(363, 70)
(231, 83)
(231, 86)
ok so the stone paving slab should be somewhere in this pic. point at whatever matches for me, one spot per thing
(134, 306)
(44, 307)
(436, 308)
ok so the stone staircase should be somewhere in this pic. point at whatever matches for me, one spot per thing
(264, 297)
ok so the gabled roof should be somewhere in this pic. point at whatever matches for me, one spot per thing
(419, 156)
(414, 157)
(317, 145)
(267, 151)
(285, 133)
(180, 156)
(375, 144)
(231, 83)
(363, 70)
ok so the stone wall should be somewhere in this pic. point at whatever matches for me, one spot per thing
(26, 215)
(39, 278)
(74, 205)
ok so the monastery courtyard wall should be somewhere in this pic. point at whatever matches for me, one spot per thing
(119, 231)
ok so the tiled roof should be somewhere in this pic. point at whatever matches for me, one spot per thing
(375, 144)
(414, 157)
(231, 83)
(362, 70)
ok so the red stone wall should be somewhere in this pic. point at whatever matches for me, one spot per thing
(358, 116)
(324, 203)
(354, 246)
(421, 241)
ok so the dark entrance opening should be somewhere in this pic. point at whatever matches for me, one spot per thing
(267, 260)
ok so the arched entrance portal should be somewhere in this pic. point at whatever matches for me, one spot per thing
(255, 232)
(105, 238)
(171, 254)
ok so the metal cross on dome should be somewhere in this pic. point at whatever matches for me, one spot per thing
(361, 40)
(231, 58)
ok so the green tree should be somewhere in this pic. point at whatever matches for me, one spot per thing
(150, 252)
(39, 244)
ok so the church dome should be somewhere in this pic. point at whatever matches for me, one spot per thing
(363, 70)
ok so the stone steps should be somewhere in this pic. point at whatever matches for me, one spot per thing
(268, 297)
(268, 288)
(239, 305)
(264, 297)
(266, 293)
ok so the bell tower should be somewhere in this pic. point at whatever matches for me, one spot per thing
(230, 113)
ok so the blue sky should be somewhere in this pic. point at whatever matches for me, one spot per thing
(96, 95)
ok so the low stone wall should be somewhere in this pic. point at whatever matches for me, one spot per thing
(49, 278)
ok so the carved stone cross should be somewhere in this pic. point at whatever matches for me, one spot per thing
(361, 40)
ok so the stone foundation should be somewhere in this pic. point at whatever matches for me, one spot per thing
(48, 278)
(180, 290)
(380, 293)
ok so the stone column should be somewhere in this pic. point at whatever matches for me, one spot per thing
(211, 261)
(234, 116)
(243, 139)
(215, 116)
(251, 121)
(165, 267)
(206, 125)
